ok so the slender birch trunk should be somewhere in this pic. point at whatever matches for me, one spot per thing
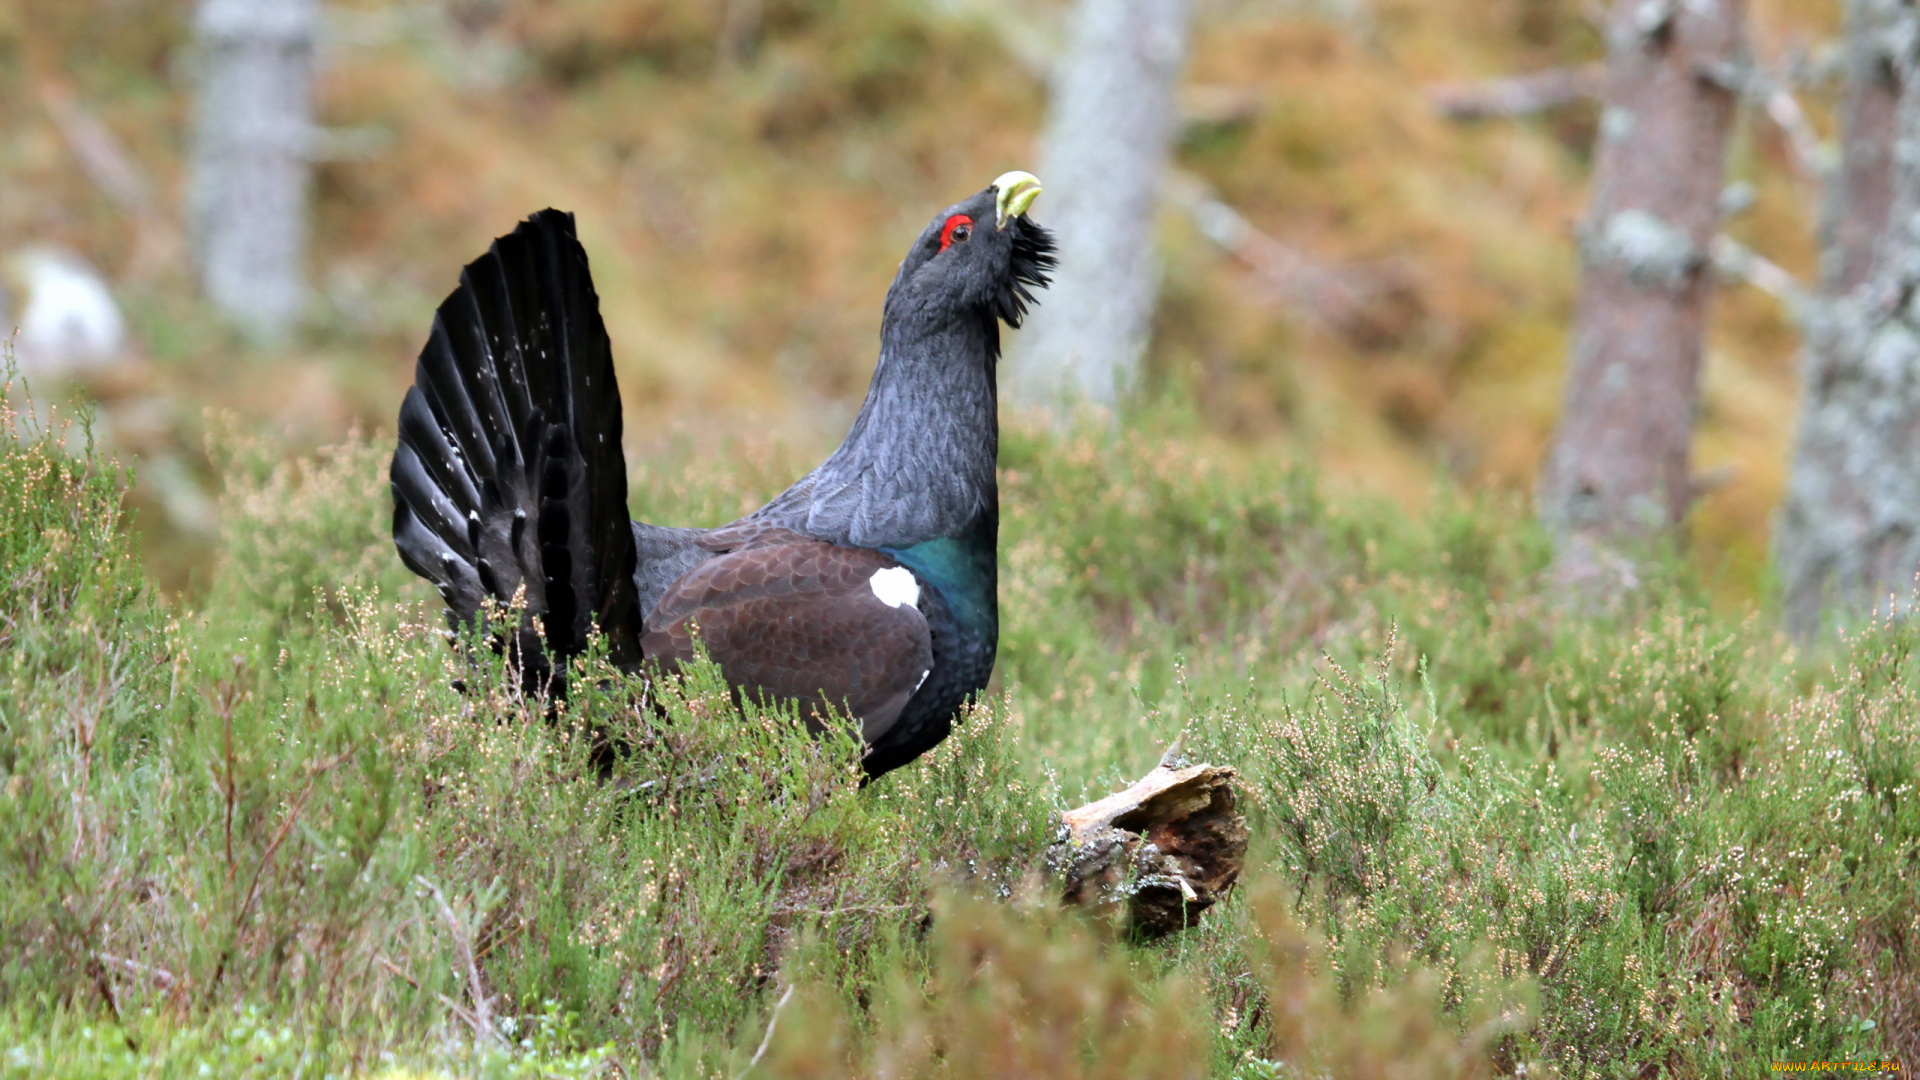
(247, 197)
(1109, 133)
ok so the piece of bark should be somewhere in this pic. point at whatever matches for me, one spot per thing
(1157, 854)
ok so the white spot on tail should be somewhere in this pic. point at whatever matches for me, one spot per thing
(896, 587)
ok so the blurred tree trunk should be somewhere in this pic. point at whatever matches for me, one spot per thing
(1109, 131)
(1618, 470)
(247, 196)
(1849, 533)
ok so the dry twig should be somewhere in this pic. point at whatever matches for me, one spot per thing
(1736, 260)
(1517, 95)
(1370, 306)
(481, 1018)
(767, 1039)
(115, 173)
(161, 977)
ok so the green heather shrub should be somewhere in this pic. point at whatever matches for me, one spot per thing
(297, 532)
(1022, 990)
(257, 831)
(1006, 990)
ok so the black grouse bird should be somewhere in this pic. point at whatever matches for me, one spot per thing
(869, 586)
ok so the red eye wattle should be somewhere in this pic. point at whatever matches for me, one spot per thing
(958, 227)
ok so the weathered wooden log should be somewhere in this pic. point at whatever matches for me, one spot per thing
(1153, 857)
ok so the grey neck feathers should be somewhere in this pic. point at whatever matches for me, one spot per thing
(918, 463)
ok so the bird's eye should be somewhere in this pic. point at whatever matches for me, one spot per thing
(957, 228)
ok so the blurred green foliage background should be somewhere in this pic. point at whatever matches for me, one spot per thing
(747, 172)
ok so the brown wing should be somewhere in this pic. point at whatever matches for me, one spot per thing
(801, 621)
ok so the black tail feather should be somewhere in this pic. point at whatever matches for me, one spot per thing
(509, 474)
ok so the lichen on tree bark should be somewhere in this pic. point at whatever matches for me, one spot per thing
(1848, 539)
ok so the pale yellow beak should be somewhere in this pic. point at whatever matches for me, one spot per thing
(1014, 192)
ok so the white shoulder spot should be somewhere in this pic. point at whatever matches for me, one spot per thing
(896, 587)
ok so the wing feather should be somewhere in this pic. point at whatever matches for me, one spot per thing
(799, 621)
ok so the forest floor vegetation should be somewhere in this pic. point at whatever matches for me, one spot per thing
(258, 832)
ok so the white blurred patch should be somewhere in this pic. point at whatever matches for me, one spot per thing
(896, 587)
(67, 318)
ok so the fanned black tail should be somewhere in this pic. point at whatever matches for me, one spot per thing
(509, 473)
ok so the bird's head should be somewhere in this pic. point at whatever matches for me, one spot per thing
(982, 254)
